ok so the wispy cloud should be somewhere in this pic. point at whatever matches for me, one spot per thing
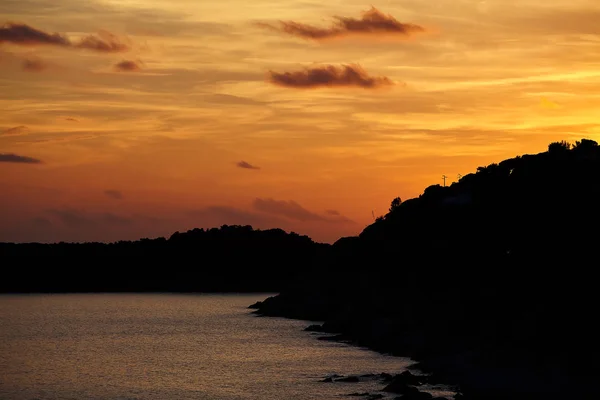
(244, 164)
(74, 218)
(114, 194)
(25, 35)
(128, 66)
(33, 65)
(294, 211)
(15, 158)
(105, 42)
(14, 131)
(329, 76)
(372, 23)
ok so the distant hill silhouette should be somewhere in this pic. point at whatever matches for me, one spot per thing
(490, 282)
(232, 258)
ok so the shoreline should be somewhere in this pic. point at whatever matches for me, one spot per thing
(471, 373)
(411, 386)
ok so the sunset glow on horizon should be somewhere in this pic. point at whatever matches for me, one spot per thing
(138, 118)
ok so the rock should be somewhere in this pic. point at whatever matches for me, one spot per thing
(330, 378)
(256, 305)
(410, 379)
(348, 379)
(386, 377)
(367, 395)
(314, 328)
(334, 338)
(399, 383)
(413, 393)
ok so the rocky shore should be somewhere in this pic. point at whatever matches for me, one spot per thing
(473, 374)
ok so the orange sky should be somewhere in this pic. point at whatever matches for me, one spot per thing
(149, 117)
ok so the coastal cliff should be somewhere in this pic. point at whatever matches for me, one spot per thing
(489, 283)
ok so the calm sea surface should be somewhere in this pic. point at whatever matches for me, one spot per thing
(137, 346)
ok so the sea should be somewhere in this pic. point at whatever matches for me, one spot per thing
(171, 346)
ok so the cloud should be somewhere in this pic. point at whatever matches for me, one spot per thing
(25, 35)
(128, 66)
(113, 219)
(17, 130)
(244, 164)
(105, 42)
(73, 218)
(14, 158)
(294, 211)
(33, 65)
(72, 119)
(329, 76)
(332, 212)
(372, 23)
(41, 222)
(266, 213)
(114, 194)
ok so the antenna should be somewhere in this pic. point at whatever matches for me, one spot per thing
(373, 213)
(444, 178)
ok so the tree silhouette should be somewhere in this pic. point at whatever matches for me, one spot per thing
(395, 204)
(559, 147)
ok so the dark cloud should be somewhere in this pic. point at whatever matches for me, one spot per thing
(73, 218)
(289, 209)
(17, 130)
(294, 211)
(14, 158)
(33, 65)
(105, 42)
(244, 164)
(113, 219)
(41, 222)
(128, 66)
(25, 35)
(114, 194)
(332, 212)
(372, 23)
(329, 76)
(267, 213)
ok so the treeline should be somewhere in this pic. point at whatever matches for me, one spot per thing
(230, 258)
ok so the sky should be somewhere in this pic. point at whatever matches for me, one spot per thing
(138, 118)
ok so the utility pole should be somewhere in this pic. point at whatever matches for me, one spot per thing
(444, 178)
(373, 213)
